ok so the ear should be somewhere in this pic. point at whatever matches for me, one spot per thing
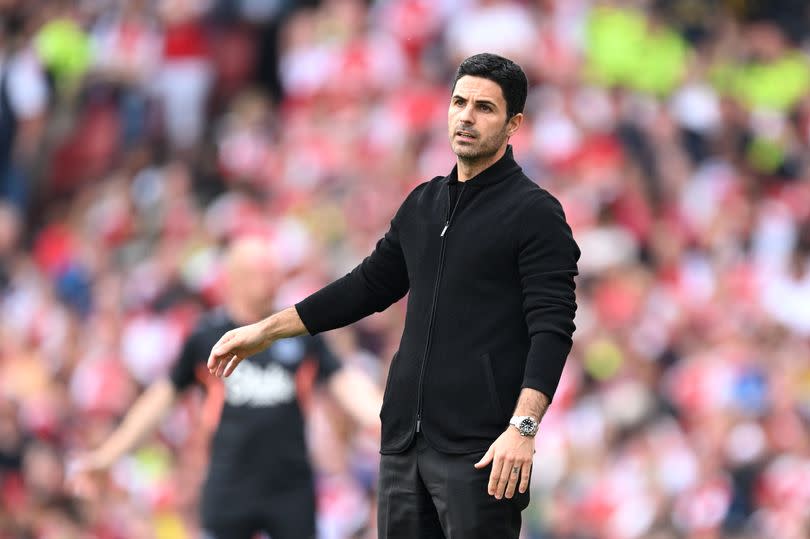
(514, 123)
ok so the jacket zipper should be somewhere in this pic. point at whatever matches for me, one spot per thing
(439, 271)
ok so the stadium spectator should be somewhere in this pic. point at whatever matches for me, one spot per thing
(23, 104)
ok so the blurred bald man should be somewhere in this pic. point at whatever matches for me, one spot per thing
(259, 478)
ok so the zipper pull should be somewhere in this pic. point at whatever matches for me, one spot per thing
(446, 225)
(419, 424)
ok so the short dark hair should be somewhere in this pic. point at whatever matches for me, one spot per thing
(502, 71)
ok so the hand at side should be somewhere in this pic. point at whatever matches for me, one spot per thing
(511, 457)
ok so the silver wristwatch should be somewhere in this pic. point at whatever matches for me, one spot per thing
(525, 424)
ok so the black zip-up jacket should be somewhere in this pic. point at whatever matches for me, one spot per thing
(490, 310)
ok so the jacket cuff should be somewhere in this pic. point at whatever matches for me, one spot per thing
(307, 314)
(545, 363)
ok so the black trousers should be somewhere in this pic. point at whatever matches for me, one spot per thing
(289, 515)
(425, 494)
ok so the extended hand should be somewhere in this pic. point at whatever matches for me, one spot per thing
(511, 457)
(85, 474)
(235, 346)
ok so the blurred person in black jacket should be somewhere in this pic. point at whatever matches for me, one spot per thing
(489, 261)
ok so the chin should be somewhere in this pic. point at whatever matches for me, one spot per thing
(466, 152)
(474, 156)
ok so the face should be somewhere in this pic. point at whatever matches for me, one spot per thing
(477, 119)
(252, 275)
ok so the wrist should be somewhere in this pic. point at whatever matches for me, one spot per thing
(273, 328)
(526, 425)
(281, 325)
(268, 328)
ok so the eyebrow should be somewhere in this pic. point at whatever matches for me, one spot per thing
(482, 101)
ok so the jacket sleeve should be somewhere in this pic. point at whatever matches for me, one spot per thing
(379, 281)
(547, 264)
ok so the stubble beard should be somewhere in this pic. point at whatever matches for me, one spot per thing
(472, 154)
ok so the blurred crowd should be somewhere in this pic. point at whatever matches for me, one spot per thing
(138, 136)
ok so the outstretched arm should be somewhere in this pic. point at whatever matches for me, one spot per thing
(140, 420)
(376, 283)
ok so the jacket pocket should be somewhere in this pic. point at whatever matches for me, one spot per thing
(489, 377)
(387, 391)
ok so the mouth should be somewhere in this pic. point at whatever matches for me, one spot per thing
(465, 136)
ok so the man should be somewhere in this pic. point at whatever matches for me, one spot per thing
(259, 477)
(23, 106)
(490, 262)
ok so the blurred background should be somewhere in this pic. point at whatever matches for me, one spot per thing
(137, 136)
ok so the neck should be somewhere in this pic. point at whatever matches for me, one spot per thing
(470, 168)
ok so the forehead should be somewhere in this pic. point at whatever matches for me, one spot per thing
(470, 87)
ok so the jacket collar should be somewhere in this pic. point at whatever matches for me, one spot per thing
(497, 172)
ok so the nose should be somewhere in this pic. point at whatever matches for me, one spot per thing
(466, 115)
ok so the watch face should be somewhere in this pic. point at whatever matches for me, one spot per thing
(526, 425)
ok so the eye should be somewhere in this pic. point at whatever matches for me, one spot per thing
(485, 108)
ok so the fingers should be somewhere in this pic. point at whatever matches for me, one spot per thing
(509, 473)
(226, 366)
(224, 358)
(506, 477)
(526, 473)
(231, 365)
(495, 475)
(513, 475)
(514, 478)
(486, 459)
(221, 367)
(222, 351)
